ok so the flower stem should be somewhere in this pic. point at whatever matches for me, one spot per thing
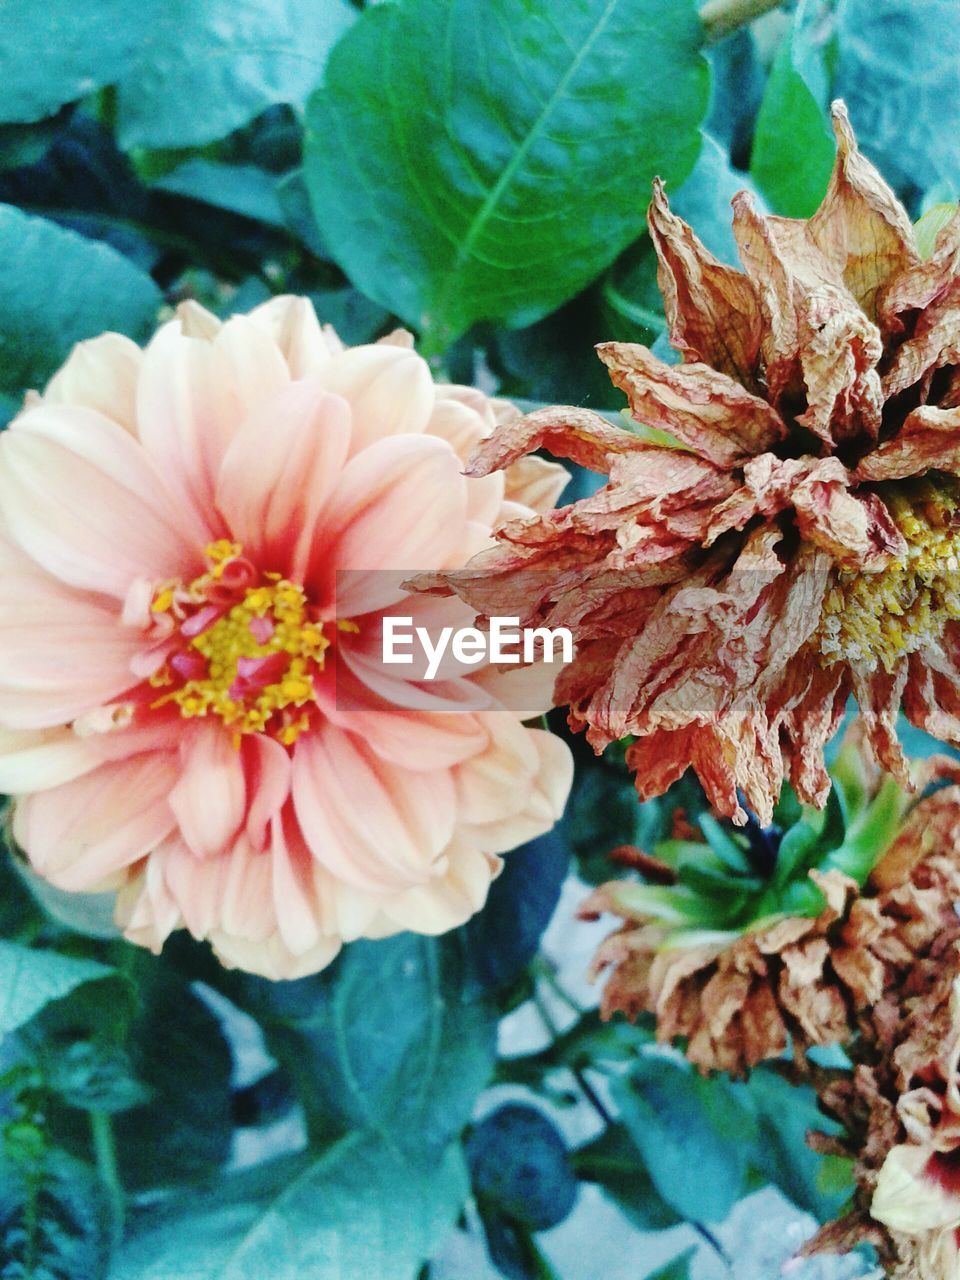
(106, 1154)
(722, 17)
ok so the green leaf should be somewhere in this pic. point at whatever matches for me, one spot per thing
(898, 69)
(519, 1164)
(678, 1269)
(238, 188)
(484, 162)
(693, 1134)
(358, 1210)
(503, 938)
(57, 288)
(614, 1163)
(210, 66)
(793, 147)
(385, 1040)
(30, 979)
(53, 1219)
(60, 51)
(785, 1113)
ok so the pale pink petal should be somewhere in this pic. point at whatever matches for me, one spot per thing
(271, 959)
(380, 520)
(146, 910)
(196, 321)
(372, 824)
(79, 496)
(35, 760)
(267, 767)
(536, 483)
(279, 472)
(389, 388)
(449, 899)
(210, 796)
(293, 325)
(548, 787)
(193, 395)
(81, 834)
(100, 374)
(294, 889)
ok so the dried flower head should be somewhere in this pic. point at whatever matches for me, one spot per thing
(789, 530)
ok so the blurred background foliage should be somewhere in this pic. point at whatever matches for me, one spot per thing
(477, 170)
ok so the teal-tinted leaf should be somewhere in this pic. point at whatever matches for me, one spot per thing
(53, 1219)
(471, 162)
(704, 199)
(614, 1163)
(25, 144)
(899, 71)
(87, 913)
(60, 51)
(387, 1039)
(294, 201)
(678, 1269)
(785, 1113)
(519, 1164)
(357, 1211)
(871, 835)
(503, 938)
(726, 848)
(512, 1248)
(30, 979)
(793, 147)
(738, 81)
(208, 68)
(238, 188)
(57, 288)
(694, 1135)
(793, 856)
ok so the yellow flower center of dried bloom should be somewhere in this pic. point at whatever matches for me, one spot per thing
(876, 619)
(250, 662)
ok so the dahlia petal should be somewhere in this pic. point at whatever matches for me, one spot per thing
(535, 483)
(271, 959)
(879, 694)
(547, 788)
(293, 890)
(817, 341)
(294, 327)
(565, 431)
(377, 521)
(80, 497)
(146, 910)
(459, 420)
(247, 906)
(197, 885)
(210, 795)
(267, 769)
(192, 397)
(35, 760)
(713, 314)
(40, 621)
(929, 440)
(706, 410)
(449, 900)
(197, 321)
(389, 388)
(373, 825)
(80, 834)
(905, 1200)
(280, 470)
(861, 228)
(100, 374)
(917, 287)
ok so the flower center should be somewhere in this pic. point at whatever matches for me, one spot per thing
(250, 647)
(876, 619)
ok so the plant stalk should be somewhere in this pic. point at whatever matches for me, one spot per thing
(106, 1155)
(722, 17)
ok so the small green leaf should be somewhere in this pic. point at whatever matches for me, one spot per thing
(678, 1269)
(57, 288)
(793, 149)
(485, 162)
(30, 979)
(925, 231)
(239, 188)
(727, 849)
(613, 1161)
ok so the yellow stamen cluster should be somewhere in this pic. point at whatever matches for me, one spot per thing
(876, 619)
(272, 708)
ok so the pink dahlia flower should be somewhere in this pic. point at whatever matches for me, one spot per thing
(192, 714)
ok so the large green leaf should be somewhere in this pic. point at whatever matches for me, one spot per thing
(694, 1135)
(613, 1161)
(210, 66)
(486, 161)
(31, 979)
(792, 147)
(899, 71)
(519, 1166)
(57, 288)
(59, 51)
(385, 1040)
(358, 1211)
